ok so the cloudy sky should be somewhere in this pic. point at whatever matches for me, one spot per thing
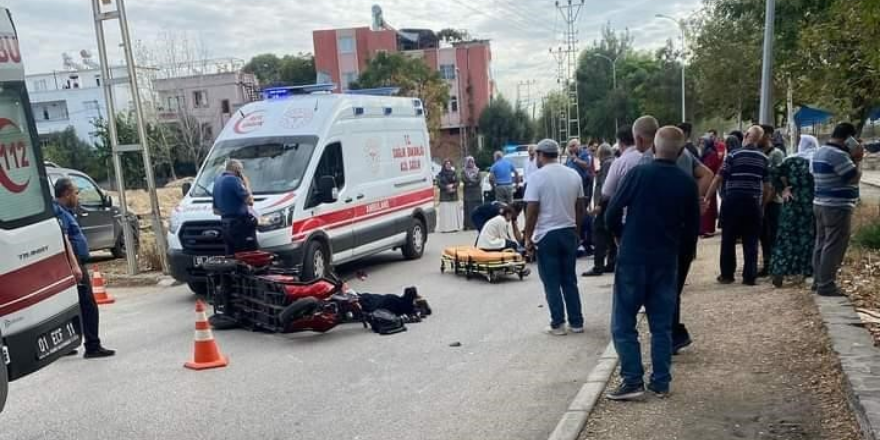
(521, 30)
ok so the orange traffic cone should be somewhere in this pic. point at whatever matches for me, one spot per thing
(206, 353)
(98, 289)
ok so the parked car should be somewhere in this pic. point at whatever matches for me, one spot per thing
(100, 220)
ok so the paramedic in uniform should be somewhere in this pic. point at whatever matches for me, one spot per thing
(232, 202)
(66, 200)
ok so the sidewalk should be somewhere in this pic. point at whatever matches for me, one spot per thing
(760, 368)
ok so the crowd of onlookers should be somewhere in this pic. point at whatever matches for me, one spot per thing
(639, 208)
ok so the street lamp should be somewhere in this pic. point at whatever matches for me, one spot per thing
(681, 26)
(613, 81)
(766, 113)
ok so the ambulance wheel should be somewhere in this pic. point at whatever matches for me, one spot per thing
(316, 262)
(198, 287)
(416, 236)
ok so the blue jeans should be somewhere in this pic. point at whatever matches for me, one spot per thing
(557, 258)
(652, 286)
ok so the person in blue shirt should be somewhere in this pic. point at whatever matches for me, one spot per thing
(232, 198)
(580, 160)
(503, 176)
(662, 218)
(66, 201)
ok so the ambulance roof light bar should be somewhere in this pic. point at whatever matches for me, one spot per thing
(287, 91)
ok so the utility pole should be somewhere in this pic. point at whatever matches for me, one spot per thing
(570, 10)
(613, 85)
(101, 15)
(520, 102)
(766, 113)
(560, 130)
(460, 100)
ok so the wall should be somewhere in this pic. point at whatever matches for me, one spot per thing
(219, 87)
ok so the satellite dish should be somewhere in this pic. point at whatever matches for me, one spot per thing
(378, 20)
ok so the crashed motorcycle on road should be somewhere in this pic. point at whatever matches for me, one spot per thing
(251, 291)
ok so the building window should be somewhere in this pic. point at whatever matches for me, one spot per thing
(224, 106)
(346, 44)
(98, 80)
(176, 102)
(347, 79)
(200, 99)
(40, 85)
(207, 133)
(453, 104)
(447, 71)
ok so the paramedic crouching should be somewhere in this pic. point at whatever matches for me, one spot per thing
(232, 200)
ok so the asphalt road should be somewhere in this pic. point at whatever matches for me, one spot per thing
(507, 380)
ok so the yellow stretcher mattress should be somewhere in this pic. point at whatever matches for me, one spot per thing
(469, 260)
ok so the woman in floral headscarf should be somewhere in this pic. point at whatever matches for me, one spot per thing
(793, 252)
(450, 214)
(473, 190)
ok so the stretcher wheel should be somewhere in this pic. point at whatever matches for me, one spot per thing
(521, 275)
(493, 277)
(442, 267)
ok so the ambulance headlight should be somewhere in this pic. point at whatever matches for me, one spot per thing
(273, 220)
(174, 223)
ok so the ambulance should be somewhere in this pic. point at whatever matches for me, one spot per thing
(39, 305)
(335, 178)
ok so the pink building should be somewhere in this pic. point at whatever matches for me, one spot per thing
(341, 54)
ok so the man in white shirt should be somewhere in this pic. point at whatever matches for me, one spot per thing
(554, 213)
(531, 165)
(501, 232)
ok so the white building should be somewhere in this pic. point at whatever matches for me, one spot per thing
(74, 98)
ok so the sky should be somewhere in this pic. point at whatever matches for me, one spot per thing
(521, 31)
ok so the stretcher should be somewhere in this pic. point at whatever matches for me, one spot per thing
(470, 261)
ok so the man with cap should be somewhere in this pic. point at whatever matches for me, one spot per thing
(554, 212)
(232, 200)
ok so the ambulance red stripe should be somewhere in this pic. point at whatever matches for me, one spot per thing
(33, 283)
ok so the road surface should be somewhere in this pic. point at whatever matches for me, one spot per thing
(507, 380)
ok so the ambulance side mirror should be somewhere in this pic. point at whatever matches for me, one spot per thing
(327, 190)
(185, 188)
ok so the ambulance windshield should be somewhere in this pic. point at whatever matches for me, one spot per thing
(273, 165)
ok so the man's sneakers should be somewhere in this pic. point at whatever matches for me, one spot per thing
(659, 391)
(632, 392)
(99, 352)
(627, 392)
(576, 330)
(681, 345)
(594, 272)
(830, 293)
(555, 331)
(724, 280)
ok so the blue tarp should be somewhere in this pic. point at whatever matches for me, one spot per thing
(808, 116)
(874, 115)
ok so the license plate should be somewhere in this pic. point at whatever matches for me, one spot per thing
(197, 261)
(56, 340)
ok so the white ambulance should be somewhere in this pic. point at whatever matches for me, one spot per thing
(39, 305)
(335, 178)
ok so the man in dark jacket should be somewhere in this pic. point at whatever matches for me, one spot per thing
(232, 200)
(66, 202)
(662, 216)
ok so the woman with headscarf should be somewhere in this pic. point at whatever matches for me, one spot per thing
(793, 252)
(450, 218)
(713, 159)
(473, 190)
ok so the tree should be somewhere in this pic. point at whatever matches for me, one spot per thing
(290, 70)
(501, 125)
(840, 61)
(132, 163)
(66, 149)
(450, 35)
(414, 78)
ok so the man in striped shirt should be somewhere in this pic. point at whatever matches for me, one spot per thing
(837, 174)
(747, 191)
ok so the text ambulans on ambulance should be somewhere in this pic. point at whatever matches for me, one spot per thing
(39, 306)
(335, 177)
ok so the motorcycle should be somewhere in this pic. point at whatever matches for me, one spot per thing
(251, 291)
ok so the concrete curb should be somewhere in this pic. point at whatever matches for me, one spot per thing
(859, 359)
(574, 419)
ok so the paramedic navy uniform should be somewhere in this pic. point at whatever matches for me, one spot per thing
(239, 227)
(87, 305)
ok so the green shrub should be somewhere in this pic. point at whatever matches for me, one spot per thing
(868, 236)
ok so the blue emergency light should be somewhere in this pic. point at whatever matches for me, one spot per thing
(287, 91)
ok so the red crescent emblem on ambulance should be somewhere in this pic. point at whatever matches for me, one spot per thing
(5, 180)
